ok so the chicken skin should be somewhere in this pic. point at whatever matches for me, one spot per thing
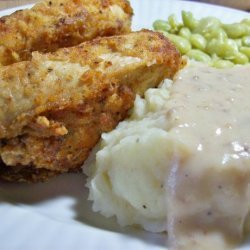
(54, 24)
(58, 104)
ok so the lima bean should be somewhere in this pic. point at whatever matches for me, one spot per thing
(189, 20)
(222, 64)
(246, 21)
(246, 51)
(240, 58)
(198, 55)
(198, 41)
(223, 48)
(247, 31)
(238, 42)
(182, 44)
(217, 33)
(246, 41)
(161, 25)
(235, 30)
(172, 20)
(207, 25)
(185, 32)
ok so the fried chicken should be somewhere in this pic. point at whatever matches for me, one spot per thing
(58, 104)
(54, 24)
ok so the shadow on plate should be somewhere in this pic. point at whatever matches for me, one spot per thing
(64, 198)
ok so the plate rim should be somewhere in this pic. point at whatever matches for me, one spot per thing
(195, 3)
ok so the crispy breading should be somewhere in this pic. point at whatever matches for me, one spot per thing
(60, 103)
(53, 24)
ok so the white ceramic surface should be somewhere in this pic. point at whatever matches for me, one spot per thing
(57, 215)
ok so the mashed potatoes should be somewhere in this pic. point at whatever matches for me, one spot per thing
(181, 163)
(126, 180)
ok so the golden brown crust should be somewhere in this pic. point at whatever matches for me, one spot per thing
(54, 24)
(27, 174)
(60, 103)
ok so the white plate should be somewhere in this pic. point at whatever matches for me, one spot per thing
(57, 215)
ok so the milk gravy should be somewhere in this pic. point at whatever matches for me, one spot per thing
(208, 191)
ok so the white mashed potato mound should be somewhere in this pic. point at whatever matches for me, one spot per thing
(181, 163)
(123, 178)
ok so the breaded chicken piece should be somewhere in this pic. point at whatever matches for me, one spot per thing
(58, 104)
(54, 24)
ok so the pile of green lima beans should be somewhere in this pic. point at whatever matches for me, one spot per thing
(208, 40)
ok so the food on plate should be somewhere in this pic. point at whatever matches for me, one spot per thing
(181, 162)
(208, 40)
(126, 177)
(53, 24)
(58, 104)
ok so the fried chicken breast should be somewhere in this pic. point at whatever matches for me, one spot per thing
(54, 107)
(54, 24)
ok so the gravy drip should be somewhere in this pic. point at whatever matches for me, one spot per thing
(208, 191)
